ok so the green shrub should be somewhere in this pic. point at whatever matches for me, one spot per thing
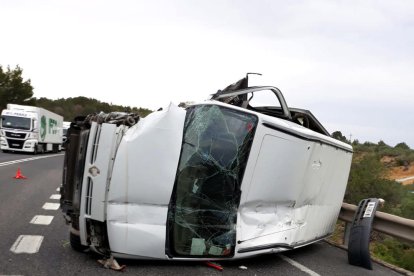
(394, 252)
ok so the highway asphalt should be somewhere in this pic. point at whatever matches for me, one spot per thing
(21, 200)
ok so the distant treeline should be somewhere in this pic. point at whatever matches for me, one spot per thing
(71, 107)
(14, 89)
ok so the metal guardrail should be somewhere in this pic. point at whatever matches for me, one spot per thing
(392, 225)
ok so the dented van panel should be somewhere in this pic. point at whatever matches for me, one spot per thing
(217, 180)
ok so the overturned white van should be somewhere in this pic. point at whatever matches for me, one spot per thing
(228, 178)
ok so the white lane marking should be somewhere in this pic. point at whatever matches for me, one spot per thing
(27, 244)
(28, 159)
(43, 220)
(299, 266)
(55, 196)
(51, 206)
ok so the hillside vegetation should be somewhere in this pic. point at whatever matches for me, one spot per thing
(373, 172)
(375, 166)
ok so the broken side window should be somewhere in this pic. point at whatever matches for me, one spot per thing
(203, 207)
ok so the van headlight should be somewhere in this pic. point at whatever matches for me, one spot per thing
(33, 135)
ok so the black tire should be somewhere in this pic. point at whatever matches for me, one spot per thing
(5, 151)
(75, 243)
(35, 150)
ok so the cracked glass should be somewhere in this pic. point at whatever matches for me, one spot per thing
(203, 207)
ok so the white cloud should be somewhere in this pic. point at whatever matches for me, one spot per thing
(324, 55)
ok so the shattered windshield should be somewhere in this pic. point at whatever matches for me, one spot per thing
(15, 122)
(203, 207)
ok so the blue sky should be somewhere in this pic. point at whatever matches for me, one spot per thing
(349, 62)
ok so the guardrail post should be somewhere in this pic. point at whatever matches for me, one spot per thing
(347, 232)
(358, 244)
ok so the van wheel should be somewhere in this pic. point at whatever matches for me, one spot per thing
(75, 243)
(35, 150)
(5, 151)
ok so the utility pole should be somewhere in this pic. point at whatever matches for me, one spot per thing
(350, 138)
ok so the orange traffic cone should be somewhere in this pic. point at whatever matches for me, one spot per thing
(19, 174)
